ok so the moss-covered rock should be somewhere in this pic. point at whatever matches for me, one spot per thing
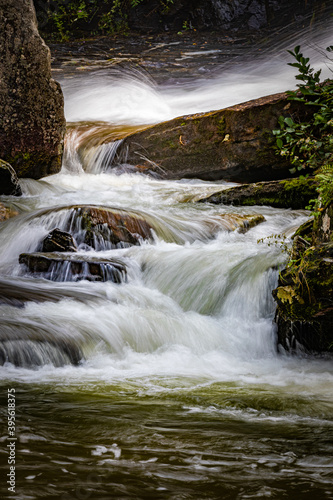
(32, 122)
(305, 297)
(234, 144)
(290, 193)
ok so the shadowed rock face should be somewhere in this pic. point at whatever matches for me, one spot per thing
(234, 144)
(9, 184)
(32, 123)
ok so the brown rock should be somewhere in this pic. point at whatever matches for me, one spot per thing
(6, 213)
(115, 226)
(32, 123)
(234, 144)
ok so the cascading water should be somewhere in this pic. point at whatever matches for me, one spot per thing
(169, 384)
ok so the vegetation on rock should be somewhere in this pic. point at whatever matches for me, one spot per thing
(308, 144)
(289, 193)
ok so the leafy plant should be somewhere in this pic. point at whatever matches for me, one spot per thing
(309, 144)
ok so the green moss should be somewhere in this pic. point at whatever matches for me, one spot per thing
(309, 283)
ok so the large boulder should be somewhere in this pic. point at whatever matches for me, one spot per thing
(32, 123)
(234, 144)
(289, 193)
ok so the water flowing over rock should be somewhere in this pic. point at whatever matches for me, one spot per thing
(118, 227)
(233, 144)
(32, 123)
(60, 267)
(9, 184)
(289, 193)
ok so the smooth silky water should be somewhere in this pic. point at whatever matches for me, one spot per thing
(181, 392)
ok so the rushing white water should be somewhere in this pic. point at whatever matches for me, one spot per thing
(132, 97)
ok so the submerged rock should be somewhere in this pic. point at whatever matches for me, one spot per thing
(69, 267)
(234, 144)
(59, 241)
(289, 193)
(32, 122)
(9, 183)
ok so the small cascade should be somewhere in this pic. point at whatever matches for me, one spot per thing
(34, 354)
(102, 158)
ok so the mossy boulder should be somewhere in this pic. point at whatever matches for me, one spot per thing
(304, 294)
(289, 193)
(32, 122)
(234, 144)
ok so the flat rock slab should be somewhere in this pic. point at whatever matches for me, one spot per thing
(289, 193)
(72, 267)
(234, 144)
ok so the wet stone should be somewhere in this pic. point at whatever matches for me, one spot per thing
(59, 241)
(61, 267)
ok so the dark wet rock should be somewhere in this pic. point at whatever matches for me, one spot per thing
(73, 267)
(234, 144)
(304, 295)
(32, 123)
(9, 183)
(289, 193)
(59, 241)
(119, 227)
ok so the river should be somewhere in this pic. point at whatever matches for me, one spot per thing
(182, 392)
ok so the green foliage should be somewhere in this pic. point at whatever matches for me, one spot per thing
(310, 144)
(65, 18)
